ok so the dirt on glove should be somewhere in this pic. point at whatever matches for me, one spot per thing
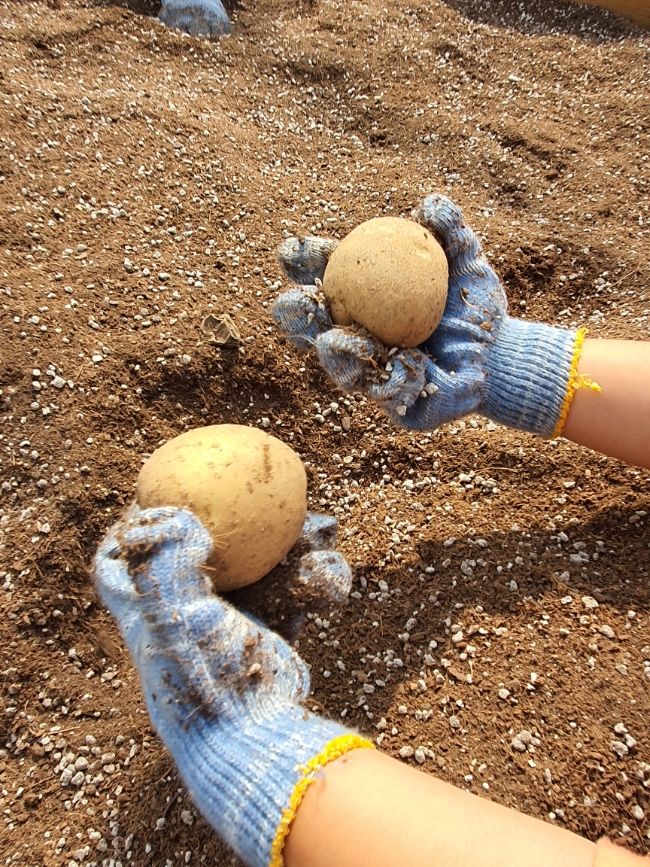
(498, 633)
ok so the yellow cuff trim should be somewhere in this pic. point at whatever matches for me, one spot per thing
(576, 381)
(308, 775)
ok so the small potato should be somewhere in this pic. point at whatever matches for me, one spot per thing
(248, 488)
(390, 276)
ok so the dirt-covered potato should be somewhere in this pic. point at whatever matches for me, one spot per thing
(390, 276)
(248, 488)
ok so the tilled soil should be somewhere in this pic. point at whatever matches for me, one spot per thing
(498, 634)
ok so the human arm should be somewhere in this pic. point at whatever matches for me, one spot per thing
(615, 420)
(521, 374)
(281, 785)
(367, 808)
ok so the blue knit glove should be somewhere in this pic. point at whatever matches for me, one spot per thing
(196, 17)
(478, 360)
(224, 693)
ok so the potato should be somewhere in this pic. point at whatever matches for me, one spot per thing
(390, 276)
(248, 488)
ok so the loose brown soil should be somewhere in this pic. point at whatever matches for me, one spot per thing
(145, 181)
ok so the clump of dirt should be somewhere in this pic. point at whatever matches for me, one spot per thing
(497, 633)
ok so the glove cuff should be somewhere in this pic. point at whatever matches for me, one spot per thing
(532, 375)
(249, 781)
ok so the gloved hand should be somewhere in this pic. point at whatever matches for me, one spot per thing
(196, 17)
(478, 360)
(224, 693)
(316, 566)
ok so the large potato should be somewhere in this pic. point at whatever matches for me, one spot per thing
(248, 488)
(389, 275)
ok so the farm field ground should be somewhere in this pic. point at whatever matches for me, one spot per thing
(499, 630)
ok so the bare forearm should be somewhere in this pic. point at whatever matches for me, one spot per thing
(367, 808)
(616, 420)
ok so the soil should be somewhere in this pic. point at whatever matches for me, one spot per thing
(498, 633)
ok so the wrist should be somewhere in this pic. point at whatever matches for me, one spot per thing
(608, 854)
(531, 376)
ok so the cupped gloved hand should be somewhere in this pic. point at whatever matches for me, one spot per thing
(478, 360)
(225, 694)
